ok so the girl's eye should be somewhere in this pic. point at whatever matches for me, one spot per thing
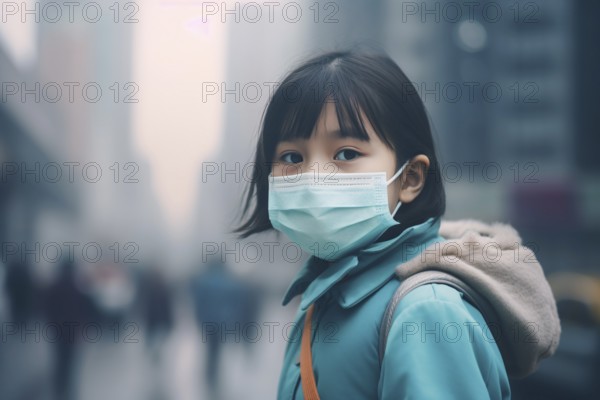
(292, 158)
(347, 154)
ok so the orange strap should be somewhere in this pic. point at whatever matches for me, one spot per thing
(307, 376)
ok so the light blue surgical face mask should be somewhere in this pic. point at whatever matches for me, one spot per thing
(330, 215)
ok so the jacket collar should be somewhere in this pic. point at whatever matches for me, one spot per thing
(349, 279)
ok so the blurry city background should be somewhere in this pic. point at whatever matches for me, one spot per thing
(126, 133)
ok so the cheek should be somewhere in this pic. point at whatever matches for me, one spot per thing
(280, 168)
(277, 169)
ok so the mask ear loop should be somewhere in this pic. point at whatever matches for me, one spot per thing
(396, 209)
(396, 175)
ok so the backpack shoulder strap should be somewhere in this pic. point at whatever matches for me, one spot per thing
(423, 278)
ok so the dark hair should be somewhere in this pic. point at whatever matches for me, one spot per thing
(354, 80)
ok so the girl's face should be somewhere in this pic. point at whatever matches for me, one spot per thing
(327, 152)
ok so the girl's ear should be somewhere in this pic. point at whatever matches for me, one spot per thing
(413, 178)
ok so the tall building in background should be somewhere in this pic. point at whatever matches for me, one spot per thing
(121, 205)
(43, 128)
(532, 61)
(29, 134)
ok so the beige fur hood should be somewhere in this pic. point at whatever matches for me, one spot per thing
(491, 259)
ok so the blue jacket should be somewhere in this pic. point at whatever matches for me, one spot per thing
(436, 349)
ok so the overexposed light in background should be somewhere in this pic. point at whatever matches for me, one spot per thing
(18, 38)
(472, 36)
(174, 53)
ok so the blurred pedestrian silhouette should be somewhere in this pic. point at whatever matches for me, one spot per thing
(20, 290)
(157, 310)
(224, 306)
(69, 308)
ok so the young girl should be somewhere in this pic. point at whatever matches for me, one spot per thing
(346, 168)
